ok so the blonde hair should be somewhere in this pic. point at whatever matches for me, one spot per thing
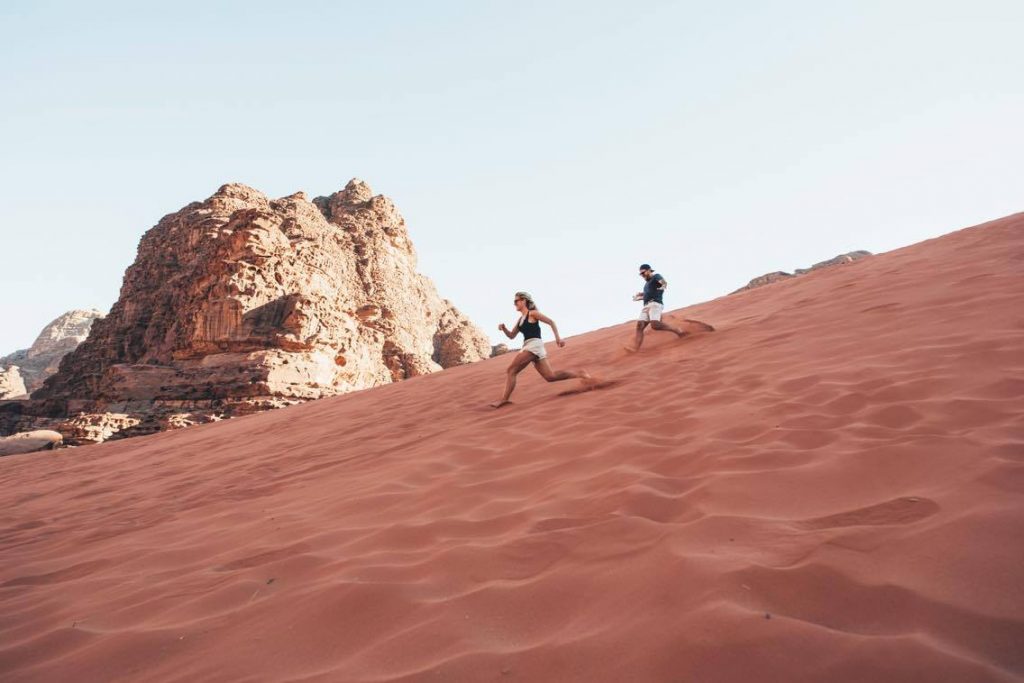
(525, 296)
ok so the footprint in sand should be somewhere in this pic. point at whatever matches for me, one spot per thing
(896, 511)
(71, 573)
(701, 328)
(593, 384)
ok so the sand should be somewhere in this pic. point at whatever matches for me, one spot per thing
(828, 487)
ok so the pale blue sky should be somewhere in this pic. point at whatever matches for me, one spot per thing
(548, 146)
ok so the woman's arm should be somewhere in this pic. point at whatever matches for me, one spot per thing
(550, 323)
(511, 334)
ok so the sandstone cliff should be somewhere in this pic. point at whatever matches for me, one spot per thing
(57, 339)
(242, 303)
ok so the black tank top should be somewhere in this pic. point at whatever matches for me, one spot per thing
(529, 330)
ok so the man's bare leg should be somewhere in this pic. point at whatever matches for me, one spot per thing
(665, 327)
(639, 338)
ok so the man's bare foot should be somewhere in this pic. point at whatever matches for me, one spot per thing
(498, 404)
(630, 349)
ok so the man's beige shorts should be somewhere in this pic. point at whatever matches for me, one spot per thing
(651, 311)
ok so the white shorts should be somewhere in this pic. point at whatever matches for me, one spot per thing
(651, 311)
(536, 347)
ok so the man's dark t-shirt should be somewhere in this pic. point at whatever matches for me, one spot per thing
(651, 291)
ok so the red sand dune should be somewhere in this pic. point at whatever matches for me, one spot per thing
(828, 488)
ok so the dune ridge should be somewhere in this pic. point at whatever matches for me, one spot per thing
(828, 487)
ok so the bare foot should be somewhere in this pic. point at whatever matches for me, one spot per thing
(498, 404)
(630, 349)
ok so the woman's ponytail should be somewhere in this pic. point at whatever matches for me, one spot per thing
(525, 296)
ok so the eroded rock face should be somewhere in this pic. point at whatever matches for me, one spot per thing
(57, 339)
(11, 383)
(778, 275)
(242, 301)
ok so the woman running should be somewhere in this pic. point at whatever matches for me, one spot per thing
(533, 347)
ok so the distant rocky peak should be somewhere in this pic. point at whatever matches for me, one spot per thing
(57, 339)
(239, 191)
(779, 275)
(66, 332)
(355, 192)
(357, 210)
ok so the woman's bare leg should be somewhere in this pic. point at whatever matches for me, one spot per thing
(550, 375)
(519, 363)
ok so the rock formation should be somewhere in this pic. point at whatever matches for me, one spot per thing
(766, 279)
(769, 278)
(242, 303)
(27, 442)
(12, 385)
(57, 339)
(848, 257)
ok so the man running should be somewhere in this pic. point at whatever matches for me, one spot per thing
(650, 314)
